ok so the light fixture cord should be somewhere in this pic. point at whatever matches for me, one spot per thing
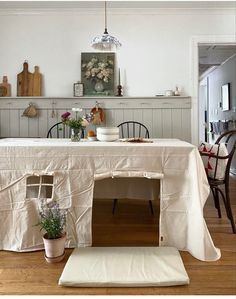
(105, 32)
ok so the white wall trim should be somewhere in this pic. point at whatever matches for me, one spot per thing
(115, 11)
(194, 74)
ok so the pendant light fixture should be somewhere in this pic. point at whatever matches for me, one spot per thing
(105, 41)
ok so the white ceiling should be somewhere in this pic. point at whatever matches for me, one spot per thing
(118, 4)
(213, 55)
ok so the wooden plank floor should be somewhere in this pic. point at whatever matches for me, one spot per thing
(132, 225)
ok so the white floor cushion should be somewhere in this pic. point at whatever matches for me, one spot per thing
(124, 267)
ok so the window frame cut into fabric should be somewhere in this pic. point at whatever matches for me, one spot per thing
(37, 187)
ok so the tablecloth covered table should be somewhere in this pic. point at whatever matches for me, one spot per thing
(75, 166)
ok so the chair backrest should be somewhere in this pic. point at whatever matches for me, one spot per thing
(217, 158)
(131, 129)
(59, 130)
(229, 138)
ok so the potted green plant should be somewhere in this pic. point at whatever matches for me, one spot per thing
(52, 221)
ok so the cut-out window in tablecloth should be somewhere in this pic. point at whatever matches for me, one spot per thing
(39, 186)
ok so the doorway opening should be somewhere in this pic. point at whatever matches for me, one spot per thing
(216, 68)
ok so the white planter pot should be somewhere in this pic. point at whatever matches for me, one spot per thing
(54, 248)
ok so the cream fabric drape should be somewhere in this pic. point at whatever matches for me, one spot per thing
(183, 189)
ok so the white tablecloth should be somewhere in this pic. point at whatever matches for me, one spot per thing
(183, 189)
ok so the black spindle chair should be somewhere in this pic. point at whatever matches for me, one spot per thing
(131, 129)
(60, 130)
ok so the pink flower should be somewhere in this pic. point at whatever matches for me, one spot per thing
(65, 115)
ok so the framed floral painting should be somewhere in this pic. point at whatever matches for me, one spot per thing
(97, 73)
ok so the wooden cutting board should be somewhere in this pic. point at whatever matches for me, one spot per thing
(5, 88)
(37, 83)
(24, 82)
(98, 115)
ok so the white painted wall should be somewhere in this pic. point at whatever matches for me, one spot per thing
(155, 55)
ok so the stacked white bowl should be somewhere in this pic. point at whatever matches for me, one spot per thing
(107, 133)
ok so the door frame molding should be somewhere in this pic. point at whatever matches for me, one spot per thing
(194, 75)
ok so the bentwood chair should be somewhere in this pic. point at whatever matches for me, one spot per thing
(60, 130)
(216, 183)
(131, 129)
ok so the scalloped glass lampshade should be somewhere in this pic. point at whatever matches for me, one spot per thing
(105, 42)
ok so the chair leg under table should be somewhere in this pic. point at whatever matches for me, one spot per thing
(151, 207)
(114, 205)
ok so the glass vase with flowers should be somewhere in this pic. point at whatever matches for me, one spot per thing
(77, 124)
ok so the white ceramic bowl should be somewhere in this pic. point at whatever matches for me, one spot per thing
(109, 137)
(108, 130)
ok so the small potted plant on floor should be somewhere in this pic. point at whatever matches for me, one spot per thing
(52, 221)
